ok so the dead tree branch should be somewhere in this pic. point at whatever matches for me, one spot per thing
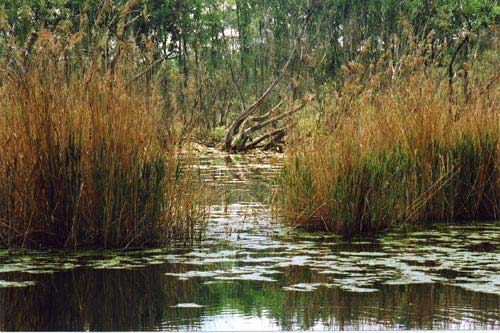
(235, 139)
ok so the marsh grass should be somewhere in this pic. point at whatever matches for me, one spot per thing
(397, 155)
(85, 159)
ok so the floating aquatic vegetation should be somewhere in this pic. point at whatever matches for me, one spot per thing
(245, 273)
(307, 287)
(218, 282)
(262, 260)
(117, 262)
(187, 305)
(16, 284)
(413, 279)
(223, 253)
(191, 274)
(488, 288)
(18, 267)
(356, 289)
(364, 254)
(50, 268)
(36, 264)
(246, 277)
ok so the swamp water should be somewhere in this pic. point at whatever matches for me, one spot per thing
(252, 274)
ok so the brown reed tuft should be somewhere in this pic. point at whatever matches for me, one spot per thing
(398, 151)
(85, 155)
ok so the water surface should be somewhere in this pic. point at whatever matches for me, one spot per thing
(250, 273)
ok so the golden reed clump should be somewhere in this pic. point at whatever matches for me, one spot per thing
(84, 159)
(400, 154)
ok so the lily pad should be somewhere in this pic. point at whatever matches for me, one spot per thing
(16, 284)
(187, 305)
(356, 289)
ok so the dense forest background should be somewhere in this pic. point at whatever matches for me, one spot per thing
(215, 58)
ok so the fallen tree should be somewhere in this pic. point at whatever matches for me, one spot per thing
(240, 133)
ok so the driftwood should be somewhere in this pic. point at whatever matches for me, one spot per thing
(238, 135)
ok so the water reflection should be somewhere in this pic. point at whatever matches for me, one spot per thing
(251, 274)
(145, 299)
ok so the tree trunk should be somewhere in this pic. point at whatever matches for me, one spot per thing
(237, 135)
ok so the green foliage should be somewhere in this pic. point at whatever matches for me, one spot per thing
(217, 134)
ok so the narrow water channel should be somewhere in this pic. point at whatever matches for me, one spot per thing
(250, 273)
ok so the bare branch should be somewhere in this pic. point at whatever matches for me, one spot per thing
(267, 114)
(265, 136)
(274, 119)
(166, 57)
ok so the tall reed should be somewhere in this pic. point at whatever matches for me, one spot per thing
(397, 155)
(84, 158)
